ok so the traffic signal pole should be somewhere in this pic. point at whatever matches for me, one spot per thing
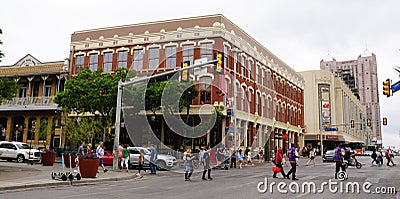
(138, 80)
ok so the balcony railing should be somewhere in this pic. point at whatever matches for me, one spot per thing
(25, 101)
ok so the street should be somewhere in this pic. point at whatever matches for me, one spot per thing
(233, 183)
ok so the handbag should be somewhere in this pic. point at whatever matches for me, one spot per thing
(276, 169)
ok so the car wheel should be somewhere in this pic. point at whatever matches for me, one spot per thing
(20, 158)
(161, 164)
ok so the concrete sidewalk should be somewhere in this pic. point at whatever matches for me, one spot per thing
(22, 175)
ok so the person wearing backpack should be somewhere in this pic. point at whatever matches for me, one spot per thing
(125, 158)
(293, 163)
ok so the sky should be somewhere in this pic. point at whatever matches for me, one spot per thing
(301, 33)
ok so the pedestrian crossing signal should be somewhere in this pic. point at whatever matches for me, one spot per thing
(219, 64)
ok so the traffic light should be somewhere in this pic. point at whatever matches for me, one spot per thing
(352, 124)
(185, 73)
(384, 121)
(369, 122)
(386, 88)
(219, 65)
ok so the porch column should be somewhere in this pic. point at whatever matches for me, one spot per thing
(9, 128)
(37, 129)
(25, 135)
(49, 125)
(162, 131)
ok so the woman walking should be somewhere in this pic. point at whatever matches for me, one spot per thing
(312, 157)
(188, 164)
(278, 163)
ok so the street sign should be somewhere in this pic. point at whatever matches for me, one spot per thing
(331, 129)
(200, 70)
(396, 87)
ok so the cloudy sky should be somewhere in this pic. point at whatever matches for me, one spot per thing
(301, 33)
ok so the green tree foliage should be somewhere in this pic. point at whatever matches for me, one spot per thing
(8, 88)
(92, 93)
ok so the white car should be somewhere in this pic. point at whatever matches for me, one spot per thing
(18, 151)
(164, 161)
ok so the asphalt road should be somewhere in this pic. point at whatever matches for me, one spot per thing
(235, 183)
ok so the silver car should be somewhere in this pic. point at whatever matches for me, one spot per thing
(163, 161)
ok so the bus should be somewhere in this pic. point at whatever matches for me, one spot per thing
(357, 147)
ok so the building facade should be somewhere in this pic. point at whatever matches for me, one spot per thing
(328, 100)
(31, 116)
(361, 76)
(269, 99)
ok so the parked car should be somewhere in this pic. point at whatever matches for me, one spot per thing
(108, 158)
(328, 156)
(18, 151)
(367, 153)
(164, 161)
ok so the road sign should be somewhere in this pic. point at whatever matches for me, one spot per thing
(331, 129)
(396, 87)
(200, 70)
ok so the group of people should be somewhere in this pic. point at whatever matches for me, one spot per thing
(292, 156)
(377, 157)
(89, 153)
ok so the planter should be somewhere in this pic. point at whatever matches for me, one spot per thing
(48, 158)
(66, 160)
(89, 167)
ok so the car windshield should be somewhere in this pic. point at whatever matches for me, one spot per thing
(23, 146)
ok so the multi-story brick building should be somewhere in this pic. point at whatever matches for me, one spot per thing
(270, 93)
(361, 76)
(32, 116)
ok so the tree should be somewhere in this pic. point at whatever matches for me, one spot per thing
(1, 43)
(8, 88)
(95, 94)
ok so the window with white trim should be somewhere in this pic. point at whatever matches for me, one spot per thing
(154, 54)
(257, 103)
(122, 59)
(249, 68)
(47, 88)
(225, 56)
(243, 99)
(93, 61)
(262, 105)
(138, 59)
(262, 77)
(250, 101)
(188, 53)
(205, 90)
(243, 65)
(107, 63)
(79, 61)
(206, 51)
(170, 53)
(257, 73)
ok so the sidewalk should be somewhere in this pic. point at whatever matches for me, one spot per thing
(22, 175)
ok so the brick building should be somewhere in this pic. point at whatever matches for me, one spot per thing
(269, 99)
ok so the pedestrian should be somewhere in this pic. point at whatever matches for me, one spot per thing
(188, 164)
(201, 154)
(141, 163)
(278, 162)
(233, 159)
(390, 156)
(379, 158)
(312, 157)
(153, 158)
(249, 158)
(374, 156)
(120, 148)
(284, 160)
(338, 158)
(100, 155)
(220, 156)
(207, 166)
(79, 155)
(240, 158)
(292, 159)
(125, 158)
(261, 155)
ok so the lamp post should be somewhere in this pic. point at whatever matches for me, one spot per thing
(235, 51)
(321, 126)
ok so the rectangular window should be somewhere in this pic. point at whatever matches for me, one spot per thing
(122, 59)
(170, 56)
(257, 68)
(188, 53)
(243, 65)
(93, 61)
(243, 99)
(249, 68)
(225, 56)
(47, 89)
(79, 61)
(35, 89)
(22, 92)
(154, 54)
(107, 67)
(262, 77)
(206, 51)
(205, 90)
(138, 59)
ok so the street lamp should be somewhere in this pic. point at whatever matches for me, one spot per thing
(235, 52)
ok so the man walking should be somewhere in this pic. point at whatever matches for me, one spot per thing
(153, 158)
(293, 164)
(100, 154)
(338, 158)
(206, 163)
(233, 159)
(79, 155)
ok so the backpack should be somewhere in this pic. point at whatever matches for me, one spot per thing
(387, 155)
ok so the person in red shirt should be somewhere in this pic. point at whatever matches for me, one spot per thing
(278, 163)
